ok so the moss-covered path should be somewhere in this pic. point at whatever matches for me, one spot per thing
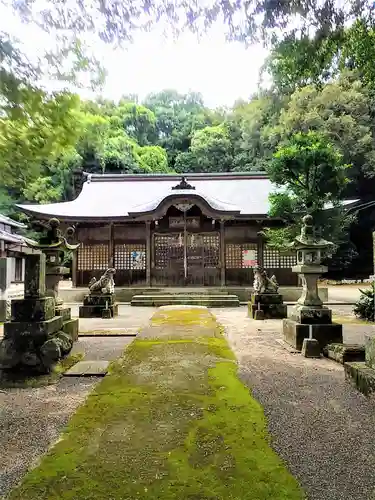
(171, 421)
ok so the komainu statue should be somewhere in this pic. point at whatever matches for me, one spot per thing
(264, 284)
(105, 284)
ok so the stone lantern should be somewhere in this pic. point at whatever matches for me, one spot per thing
(53, 245)
(309, 318)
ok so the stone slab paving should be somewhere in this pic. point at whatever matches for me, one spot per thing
(320, 425)
(96, 368)
(31, 420)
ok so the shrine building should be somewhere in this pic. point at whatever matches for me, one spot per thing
(166, 230)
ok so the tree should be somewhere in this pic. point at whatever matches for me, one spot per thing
(210, 151)
(45, 128)
(244, 19)
(178, 116)
(341, 110)
(297, 60)
(246, 126)
(311, 174)
(153, 159)
(138, 121)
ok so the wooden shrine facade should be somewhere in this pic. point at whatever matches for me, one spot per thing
(169, 252)
(157, 231)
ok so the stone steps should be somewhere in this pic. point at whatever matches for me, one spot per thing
(157, 300)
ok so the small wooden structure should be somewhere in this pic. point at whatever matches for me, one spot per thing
(168, 230)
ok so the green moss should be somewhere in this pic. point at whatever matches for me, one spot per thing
(20, 380)
(170, 421)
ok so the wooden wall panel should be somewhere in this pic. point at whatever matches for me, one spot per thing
(130, 232)
(90, 234)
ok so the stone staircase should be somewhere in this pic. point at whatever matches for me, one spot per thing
(157, 299)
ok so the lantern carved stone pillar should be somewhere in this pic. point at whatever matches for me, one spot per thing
(309, 316)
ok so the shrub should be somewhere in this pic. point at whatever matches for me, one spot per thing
(365, 307)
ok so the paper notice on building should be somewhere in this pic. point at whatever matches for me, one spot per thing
(249, 258)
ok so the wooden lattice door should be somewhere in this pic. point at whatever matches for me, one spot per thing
(168, 260)
(202, 259)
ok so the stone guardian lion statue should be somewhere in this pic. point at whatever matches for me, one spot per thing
(264, 284)
(105, 284)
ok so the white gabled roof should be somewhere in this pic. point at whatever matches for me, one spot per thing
(111, 196)
(108, 196)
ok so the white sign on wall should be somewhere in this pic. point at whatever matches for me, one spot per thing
(249, 258)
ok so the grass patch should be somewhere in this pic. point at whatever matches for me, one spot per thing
(170, 421)
(19, 380)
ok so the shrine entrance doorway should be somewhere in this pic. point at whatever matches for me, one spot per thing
(186, 259)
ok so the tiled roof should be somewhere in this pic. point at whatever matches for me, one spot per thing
(111, 196)
(108, 196)
(10, 222)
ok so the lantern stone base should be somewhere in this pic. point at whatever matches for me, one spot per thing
(295, 333)
(270, 303)
(308, 315)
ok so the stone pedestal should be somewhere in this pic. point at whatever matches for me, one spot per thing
(99, 305)
(295, 333)
(309, 310)
(38, 334)
(270, 303)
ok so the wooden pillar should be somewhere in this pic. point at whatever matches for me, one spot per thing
(222, 254)
(260, 250)
(148, 253)
(75, 267)
(111, 246)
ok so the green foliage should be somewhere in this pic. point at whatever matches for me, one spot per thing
(365, 307)
(153, 159)
(312, 174)
(210, 151)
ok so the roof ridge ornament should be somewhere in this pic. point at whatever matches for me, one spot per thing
(183, 184)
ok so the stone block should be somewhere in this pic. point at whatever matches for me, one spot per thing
(35, 276)
(99, 299)
(106, 313)
(259, 314)
(362, 377)
(38, 331)
(370, 350)
(310, 315)
(295, 333)
(310, 348)
(266, 298)
(95, 311)
(64, 312)
(270, 311)
(26, 310)
(344, 353)
(88, 369)
(71, 327)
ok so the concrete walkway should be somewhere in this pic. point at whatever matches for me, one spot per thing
(345, 293)
(321, 426)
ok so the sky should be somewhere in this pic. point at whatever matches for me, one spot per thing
(221, 71)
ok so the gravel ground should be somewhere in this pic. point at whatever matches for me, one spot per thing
(321, 426)
(31, 420)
